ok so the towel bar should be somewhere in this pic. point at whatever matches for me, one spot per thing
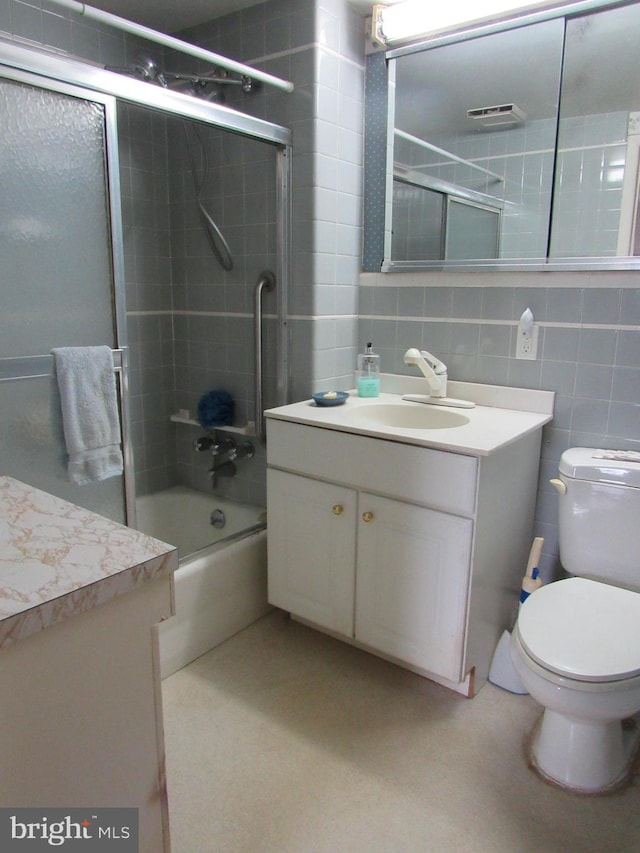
(39, 366)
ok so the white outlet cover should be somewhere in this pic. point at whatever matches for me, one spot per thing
(529, 352)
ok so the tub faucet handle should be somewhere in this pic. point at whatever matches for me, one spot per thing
(203, 443)
(225, 446)
(242, 451)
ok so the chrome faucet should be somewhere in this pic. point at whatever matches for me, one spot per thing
(241, 451)
(226, 469)
(433, 370)
(226, 445)
(216, 449)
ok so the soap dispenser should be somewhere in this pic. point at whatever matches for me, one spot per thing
(368, 373)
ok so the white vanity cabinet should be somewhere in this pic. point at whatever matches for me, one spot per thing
(411, 607)
(312, 549)
(413, 553)
(412, 573)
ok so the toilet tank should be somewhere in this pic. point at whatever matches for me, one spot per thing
(599, 516)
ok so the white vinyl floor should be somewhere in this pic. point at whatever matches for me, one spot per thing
(282, 740)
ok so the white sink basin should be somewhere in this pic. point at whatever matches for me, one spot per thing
(405, 416)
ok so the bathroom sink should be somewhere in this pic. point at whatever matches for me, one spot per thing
(405, 416)
(501, 416)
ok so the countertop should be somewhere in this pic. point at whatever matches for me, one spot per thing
(57, 560)
(501, 415)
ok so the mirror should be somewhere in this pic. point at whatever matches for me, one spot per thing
(596, 185)
(517, 149)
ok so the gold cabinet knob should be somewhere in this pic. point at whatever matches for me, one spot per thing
(367, 516)
(337, 509)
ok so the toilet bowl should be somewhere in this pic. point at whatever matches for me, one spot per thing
(576, 647)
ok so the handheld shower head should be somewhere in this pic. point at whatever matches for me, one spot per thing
(216, 239)
(148, 69)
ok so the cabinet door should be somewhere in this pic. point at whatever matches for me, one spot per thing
(311, 547)
(412, 581)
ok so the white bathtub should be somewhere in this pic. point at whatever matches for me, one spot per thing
(219, 589)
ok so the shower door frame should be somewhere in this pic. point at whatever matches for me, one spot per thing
(116, 250)
(63, 74)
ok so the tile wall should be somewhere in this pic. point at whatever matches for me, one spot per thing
(589, 185)
(213, 308)
(319, 46)
(149, 293)
(588, 351)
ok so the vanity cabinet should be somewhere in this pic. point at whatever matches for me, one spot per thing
(412, 573)
(411, 607)
(81, 598)
(412, 553)
(312, 549)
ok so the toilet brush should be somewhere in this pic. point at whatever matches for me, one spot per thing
(502, 672)
(531, 580)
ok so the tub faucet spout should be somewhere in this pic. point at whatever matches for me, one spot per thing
(226, 469)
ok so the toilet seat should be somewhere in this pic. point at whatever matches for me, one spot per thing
(582, 630)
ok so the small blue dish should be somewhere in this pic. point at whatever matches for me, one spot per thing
(330, 398)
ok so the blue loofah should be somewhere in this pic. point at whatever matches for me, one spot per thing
(215, 409)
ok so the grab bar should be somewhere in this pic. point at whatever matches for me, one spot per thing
(266, 281)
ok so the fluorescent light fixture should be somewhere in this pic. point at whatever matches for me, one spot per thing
(411, 19)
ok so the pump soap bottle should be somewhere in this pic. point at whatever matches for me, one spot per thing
(368, 373)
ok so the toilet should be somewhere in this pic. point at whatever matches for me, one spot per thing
(576, 643)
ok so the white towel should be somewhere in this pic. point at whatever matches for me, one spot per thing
(90, 416)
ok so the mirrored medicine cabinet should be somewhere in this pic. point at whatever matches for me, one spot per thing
(515, 149)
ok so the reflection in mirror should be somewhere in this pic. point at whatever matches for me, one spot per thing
(475, 132)
(496, 163)
(596, 186)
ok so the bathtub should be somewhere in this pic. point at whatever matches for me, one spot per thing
(221, 582)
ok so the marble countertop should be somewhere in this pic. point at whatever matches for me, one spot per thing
(57, 560)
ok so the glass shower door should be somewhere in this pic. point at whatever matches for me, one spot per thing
(56, 273)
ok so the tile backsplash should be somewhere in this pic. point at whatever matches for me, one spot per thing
(588, 350)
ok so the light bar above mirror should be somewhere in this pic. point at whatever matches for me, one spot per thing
(412, 19)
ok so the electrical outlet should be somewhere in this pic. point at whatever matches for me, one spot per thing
(527, 343)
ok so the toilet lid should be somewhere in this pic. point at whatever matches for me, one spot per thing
(583, 629)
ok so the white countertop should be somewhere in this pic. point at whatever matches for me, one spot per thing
(500, 417)
(57, 559)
